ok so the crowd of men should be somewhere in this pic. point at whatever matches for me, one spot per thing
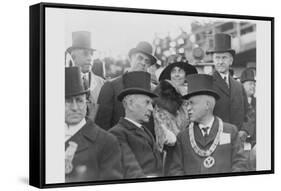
(109, 126)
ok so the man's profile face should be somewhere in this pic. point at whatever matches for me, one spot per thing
(141, 108)
(250, 88)
(140, 62)
(75, 109)
(222, 61)
(83, 58)
(197, 108)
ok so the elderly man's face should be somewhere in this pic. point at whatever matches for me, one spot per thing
(83, 58)
(141, 108)
(197, 108)
(140, 62)
(75, 109)
(222, 62)
(178, 76)
(250, 88)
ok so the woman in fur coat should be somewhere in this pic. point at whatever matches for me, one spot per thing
(170, 114)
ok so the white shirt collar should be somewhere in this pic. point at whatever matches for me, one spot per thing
(224, 75)
(71, 130)
(209, 124)
(134, 122)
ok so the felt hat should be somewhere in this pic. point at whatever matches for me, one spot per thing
(81, 40)
(73, 82)
(222, 43)
(137, 82)
(248, 75)
(200, 84)
(145, 48)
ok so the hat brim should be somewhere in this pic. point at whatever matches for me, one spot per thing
(131, 91)
(166, 73)
(77, 93)
(202, 92)
(70, 49)
(221, 51)
(246, 80)
(135, 50)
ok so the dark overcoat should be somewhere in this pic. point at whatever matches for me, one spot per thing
(140, 157)
(110, 109)
(232, 105)
(229, 155)
(98, 155)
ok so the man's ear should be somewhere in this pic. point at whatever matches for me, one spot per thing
(231, 57)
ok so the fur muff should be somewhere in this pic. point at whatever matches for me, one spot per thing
(169, 97)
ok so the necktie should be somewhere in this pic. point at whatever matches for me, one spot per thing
(225, 79)
(85, 82)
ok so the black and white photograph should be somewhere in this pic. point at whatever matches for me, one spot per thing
(146, 95)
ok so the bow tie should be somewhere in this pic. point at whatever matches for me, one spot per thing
(205, 131)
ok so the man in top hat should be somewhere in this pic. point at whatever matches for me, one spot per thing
(140, 157)
(208, 145)
(110, 109)
(82, 53)
(232, 106)
(249, 83)
(90, 152)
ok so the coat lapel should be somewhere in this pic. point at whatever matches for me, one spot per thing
(233, 86)
(198, 135)
(220, 83)
(81, 137)
(213, 132)
(136, 130)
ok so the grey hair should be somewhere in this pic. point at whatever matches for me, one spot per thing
(126, 99)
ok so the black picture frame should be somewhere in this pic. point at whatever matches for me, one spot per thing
(37, 155)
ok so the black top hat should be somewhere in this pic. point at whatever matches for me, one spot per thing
(248, 75)
(73, 82)
(166, 73)
(200, 84)
(145, 48)
(222, 43)
(81, 40)
(137, 82)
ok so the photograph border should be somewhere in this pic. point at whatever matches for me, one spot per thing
(37, 152)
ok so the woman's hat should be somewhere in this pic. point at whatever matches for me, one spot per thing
(137, 82)
(166, 73)
(73, 82)
(200, 84)
(145, 48)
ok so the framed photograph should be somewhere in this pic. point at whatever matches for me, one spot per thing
(122, 95)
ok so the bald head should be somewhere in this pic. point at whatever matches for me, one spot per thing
(200, 107)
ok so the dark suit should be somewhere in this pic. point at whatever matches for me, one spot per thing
(250, 125)
(229, 155)
(232, 105)
(98, 156)
(110, 109)
(140, 156)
